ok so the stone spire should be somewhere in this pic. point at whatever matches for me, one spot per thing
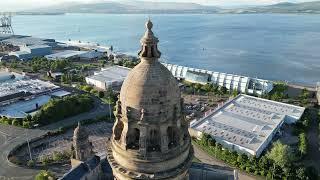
(150, 137)
(149, 44)
(82, 147)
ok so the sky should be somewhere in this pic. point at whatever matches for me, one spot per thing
(14, 5)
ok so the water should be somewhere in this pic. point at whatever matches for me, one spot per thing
(268, 46)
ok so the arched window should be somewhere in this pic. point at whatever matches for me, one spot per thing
(172, 137)
(118, 130)
(153, 141)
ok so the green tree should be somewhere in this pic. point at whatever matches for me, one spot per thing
(301, 173)
(15, 122)
(101, 94)
(60, 108)
(303, 144)
(45, 175)
(235, 93)
(281, 154)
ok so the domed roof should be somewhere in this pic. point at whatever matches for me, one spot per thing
(150, 86)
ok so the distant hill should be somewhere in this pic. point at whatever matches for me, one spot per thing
(306, 7)
(127, 7)
(142, 7)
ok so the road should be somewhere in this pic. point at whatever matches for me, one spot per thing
(11, 136)
(205, 158)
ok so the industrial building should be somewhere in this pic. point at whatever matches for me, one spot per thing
(232, 82)
(246, 124)
(89, 46)
(108, 77)
(20, 95)
(21, 40)
(26, 47)
(28, 52)
(14, 88)
(76, 55)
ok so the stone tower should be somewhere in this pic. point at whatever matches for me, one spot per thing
(150, 137)
(81, 146)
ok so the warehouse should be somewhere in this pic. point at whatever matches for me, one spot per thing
(75, 55)
(109, 77)
(232, 82)
(14, 86)
(29, 52)
(246, 124)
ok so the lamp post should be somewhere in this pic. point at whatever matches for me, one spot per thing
(28, 145)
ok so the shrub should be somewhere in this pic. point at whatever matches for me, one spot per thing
(101, 94)
(30, 163)
(15, 122)
(26, 124)
(45, 175)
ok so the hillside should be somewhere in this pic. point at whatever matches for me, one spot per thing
(142, 7)
(127, 7)
(307, 7)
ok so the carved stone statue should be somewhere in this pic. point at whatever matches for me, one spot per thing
(142, 114)
(118, 107)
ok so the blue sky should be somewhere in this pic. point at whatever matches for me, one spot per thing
(12, 5)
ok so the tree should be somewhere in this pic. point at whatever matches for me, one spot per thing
(101, 94)
(87, 88)
(281, 154)
(45, 175)
(208, 87)
(301, 173)
(15, 122)
(235, 93)
(303, 144)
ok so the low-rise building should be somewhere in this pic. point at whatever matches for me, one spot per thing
(232, 82)
(246, 124)
(111, 77)
(28, 52)
(79, 55)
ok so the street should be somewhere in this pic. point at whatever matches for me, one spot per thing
(11, 136)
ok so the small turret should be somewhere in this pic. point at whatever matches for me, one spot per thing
(82, 148)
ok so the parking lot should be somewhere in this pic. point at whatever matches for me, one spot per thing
(98, 133)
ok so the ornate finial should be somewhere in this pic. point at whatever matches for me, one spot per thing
(149, 49)
(149, 25)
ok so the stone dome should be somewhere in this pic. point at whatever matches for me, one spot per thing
(151, 87)
(150, 136)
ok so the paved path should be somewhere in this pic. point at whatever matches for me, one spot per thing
(11, 136)
(205, 158)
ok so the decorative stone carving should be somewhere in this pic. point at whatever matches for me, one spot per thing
(142, 115)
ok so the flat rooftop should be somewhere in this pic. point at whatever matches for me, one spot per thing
(246, 121)
(111, 74)
(65, 54)
(21, 109)
(24, 84)
(21, 40)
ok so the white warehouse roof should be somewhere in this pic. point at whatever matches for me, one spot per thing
(247, 124)
(113, 75)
